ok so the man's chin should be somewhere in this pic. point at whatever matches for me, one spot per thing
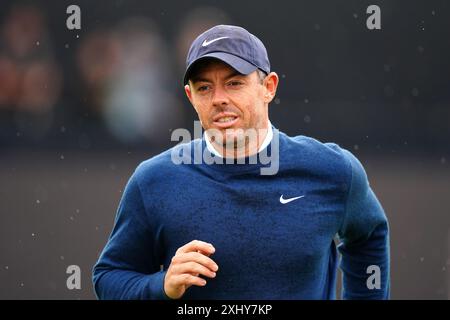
(234, 140)
(233, 137)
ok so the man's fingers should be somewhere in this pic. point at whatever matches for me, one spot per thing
(197, 245)
(196, 257)
(189, 263)
(194, 268)
(204, 253)
(189, 280)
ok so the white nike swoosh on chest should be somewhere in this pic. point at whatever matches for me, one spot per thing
(284, 201)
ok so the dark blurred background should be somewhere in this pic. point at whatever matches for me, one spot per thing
(80, 109)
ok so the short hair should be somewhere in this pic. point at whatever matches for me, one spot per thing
(261, 75)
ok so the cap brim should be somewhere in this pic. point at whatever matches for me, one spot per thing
(240, 65)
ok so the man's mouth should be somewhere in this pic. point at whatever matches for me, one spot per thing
(225, 120)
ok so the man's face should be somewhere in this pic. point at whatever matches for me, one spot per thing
(227, 101)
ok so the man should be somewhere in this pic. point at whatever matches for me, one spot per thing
(225, 230)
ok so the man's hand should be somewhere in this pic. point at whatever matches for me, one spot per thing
(190, 261)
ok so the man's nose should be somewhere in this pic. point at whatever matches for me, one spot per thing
(220, 97)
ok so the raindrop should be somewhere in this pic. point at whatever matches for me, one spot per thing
(77, 211)
(22, 284)
(63, 129)
(307, 119)
(62, 157)
(71, 218)
(96, 228)
(283, 76)
(78, 36)
(387, 68)
(443, 268)
(420, 49)
(421, 259)
(355, 15)
(443, 160)
(306, 100)
(6, 267)
(37, 43)
(415, 92)
(277, 101)
(33, 234)
(61, 257)
(356, 147)
(317, 27)
(18, 134)
(38, 201)
(433, 12)
(66, 46)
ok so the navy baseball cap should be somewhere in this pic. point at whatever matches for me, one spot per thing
(231, 44)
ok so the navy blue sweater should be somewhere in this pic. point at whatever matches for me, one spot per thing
(264, 249)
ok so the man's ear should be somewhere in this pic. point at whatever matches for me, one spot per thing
(270, 86)
(187, 89)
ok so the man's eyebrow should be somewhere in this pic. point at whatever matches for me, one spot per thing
(232, 74)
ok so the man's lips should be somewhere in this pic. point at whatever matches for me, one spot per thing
(225, 120)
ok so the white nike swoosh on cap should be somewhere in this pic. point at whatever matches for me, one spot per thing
(284, 201)
(206, 43)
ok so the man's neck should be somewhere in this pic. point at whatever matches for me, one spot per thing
(263, 138)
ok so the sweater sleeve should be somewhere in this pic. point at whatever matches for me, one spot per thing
(129, 266)
(364, 237)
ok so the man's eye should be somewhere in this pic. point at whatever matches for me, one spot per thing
(203, 88)
(234, 83)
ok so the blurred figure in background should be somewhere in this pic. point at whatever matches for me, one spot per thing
(127, 73)
(30, 79)
(97, 58)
